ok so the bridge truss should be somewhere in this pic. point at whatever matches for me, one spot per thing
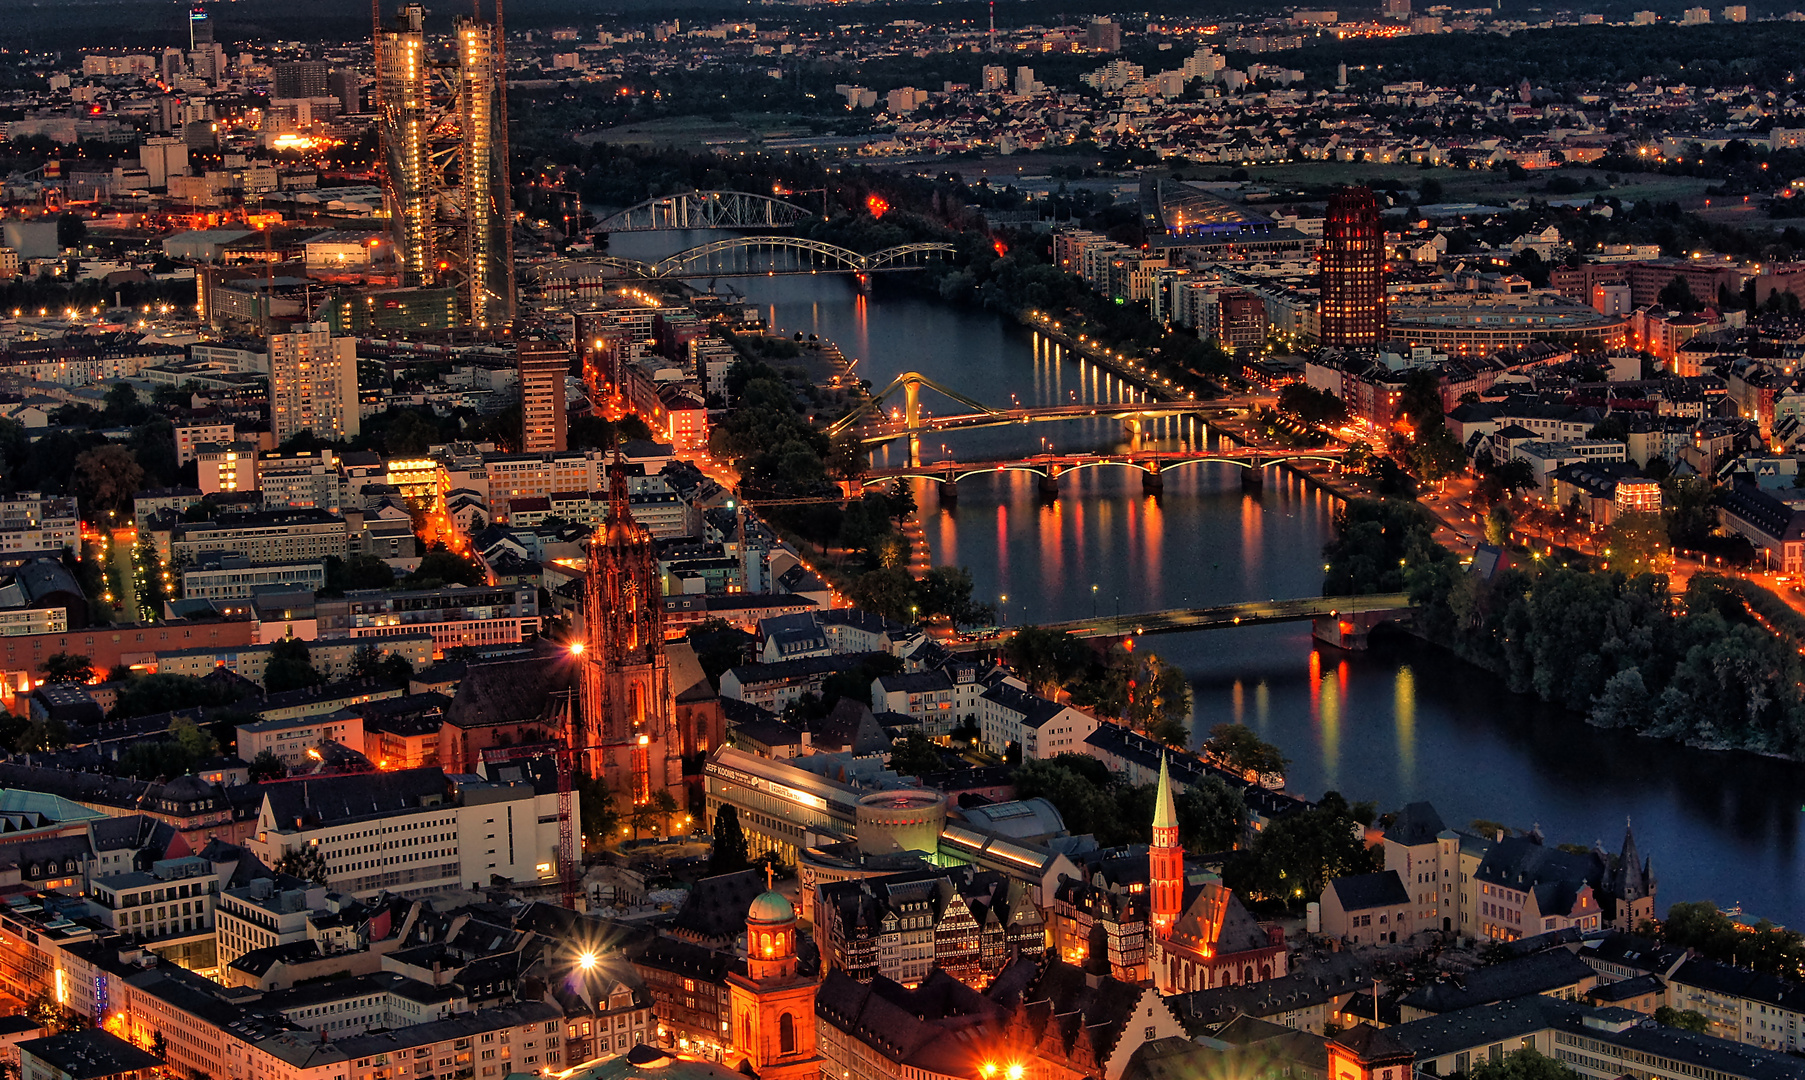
(750, 256)
(706, 210)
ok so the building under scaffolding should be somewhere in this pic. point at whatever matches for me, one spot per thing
(442, 114)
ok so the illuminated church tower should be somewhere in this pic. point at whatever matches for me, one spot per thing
(625, 735)
(773, 1008)
(1165, 859)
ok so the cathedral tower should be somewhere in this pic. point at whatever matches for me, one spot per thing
(625, 735)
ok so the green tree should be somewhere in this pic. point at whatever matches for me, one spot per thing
(71, 231)
(1524, 1064)
(267, 766)
(357, 572)
(1684, 1019)
(1638, 542)
(916, 755)
(105, 478)
(1376, 545)
(1237, 749)
(366, 662)
(1435, 455)
(1211, 816)
(1290, 860)
(42, 735)
(1044, 658)
(304, 862)
(1498, 523)
(290, 667)
(1677, 295)
(595, 804)
(729, 854)
(946, 590)
(887, 591)
(195, 744)
(441, 566)
(68, 668)
(640, 817)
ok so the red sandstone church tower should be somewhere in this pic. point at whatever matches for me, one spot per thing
(773, 1007)
(625, 735)
(1165, 859)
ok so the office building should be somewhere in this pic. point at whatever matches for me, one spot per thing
(302, 79)
(443, 124)
(417, 831)
(313, 383)
(1352, 310)
(543, 365)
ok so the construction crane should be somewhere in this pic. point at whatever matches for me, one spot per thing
(570, 863)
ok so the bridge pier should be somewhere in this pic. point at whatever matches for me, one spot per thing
(1049, 484)
(949, 490)
(862, 282)
(1349, 632)
(1253, 479)
(1153, 480)
(1133, 424)
(914, 451)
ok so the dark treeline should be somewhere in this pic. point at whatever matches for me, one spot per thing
(1620, 649)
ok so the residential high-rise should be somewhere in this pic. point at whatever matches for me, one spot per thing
(442, 117)
(624, 733)
(1352, 307)
(1103, 35)
(543, 363)
(313, 383)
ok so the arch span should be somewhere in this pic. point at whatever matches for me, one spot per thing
(722, 258)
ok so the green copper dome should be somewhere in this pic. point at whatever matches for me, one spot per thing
(771, 907)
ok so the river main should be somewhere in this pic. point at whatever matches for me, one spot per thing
(1400, 723)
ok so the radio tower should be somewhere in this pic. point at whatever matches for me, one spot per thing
(441, 110)
(993, 25)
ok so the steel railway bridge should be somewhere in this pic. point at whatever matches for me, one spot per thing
(744, 256)
(706, 210)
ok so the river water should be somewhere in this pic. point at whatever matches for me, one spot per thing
(1398, 723)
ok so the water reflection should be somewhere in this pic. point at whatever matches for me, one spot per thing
(1401, 722)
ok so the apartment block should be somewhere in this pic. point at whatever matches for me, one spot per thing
(32, 522)
(269, 536)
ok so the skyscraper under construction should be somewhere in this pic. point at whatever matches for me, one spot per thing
(442, 113)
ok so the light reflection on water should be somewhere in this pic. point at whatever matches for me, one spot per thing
(1400, 723)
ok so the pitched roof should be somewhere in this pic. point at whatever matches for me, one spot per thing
(1359, 892)
(510, 691)
(1416, 824)
(1542, 973)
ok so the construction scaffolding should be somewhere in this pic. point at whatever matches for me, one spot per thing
(442, 114)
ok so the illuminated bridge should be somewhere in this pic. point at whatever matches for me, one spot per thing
(1178, 620)
(911, 424)
(745, 256)
(706, 210)
(1152, 465)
